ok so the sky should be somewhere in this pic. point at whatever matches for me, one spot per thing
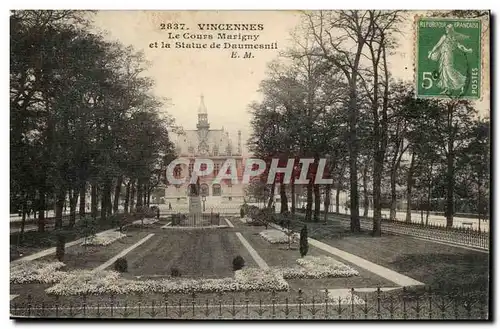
(228, 84)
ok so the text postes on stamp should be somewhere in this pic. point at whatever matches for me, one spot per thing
(448, 57)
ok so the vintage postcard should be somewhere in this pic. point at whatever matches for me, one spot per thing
(250, 165)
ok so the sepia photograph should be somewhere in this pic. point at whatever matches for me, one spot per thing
(250, 164)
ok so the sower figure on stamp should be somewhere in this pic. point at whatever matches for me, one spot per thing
(450, 77)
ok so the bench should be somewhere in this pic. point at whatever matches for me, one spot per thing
(467, 224)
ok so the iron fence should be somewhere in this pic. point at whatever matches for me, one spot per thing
(195, 220)
(459, 236)
(465, 237)
(358, 305)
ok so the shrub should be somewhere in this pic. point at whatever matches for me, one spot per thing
(121, 265)
(61, 243)
(174, 272)
(242, 213)
(238, 263)
(304, 245)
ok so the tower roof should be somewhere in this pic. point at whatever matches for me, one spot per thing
(202, 109)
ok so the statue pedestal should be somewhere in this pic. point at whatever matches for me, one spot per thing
(195, 213)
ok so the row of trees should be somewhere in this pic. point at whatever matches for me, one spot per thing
(83, 117)
(333, 95)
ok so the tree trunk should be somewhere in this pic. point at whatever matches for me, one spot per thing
(109, 205)
(118, 189)
(450, 170)
(378, 167)
(60, 198)
(429, 192)
(317, 202)
(328, 189)
(337, 200)
(104, 200)
(41, 212)
(271, 195)
(421, 211)
(73, 198)
(132, 196)
(127, 198)
(353, 144)
(23, 222)
(93, 200)
(292, 192)
(83, 190)
(284, 200)
(138, 205)
(309, 201)
(409, 185)
(366, 200)
(60, 246)
(450, 187)
(392, 215)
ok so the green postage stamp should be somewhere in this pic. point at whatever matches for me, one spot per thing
(448, 57)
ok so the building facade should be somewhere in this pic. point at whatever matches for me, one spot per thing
(206, 143)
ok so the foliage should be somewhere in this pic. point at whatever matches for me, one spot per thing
(82, 113)
(121, 265)
(60, 246)
(175, 272)
(238, 263)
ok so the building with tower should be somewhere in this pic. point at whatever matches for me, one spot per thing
(216, 145)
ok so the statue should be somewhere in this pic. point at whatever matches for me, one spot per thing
(195, 188)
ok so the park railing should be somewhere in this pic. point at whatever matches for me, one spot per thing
(465, 236)
(357, 305)
(196, 220)
(455, 235)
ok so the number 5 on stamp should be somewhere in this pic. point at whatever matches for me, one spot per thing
(448, 58)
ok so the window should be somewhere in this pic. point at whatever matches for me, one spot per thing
(177, 171)
(216, 169)
(191, 168)
(191, 149)
(230, 198)
(204, 190)
(216, 190)
(216, 150)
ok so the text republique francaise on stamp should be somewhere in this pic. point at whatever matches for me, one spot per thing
(448, 57)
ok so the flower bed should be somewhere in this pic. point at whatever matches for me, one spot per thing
(278, 237)
(103, 239)
(145, 221)
(318, 267)
(261, 280)
(110, 282)
(36, 272)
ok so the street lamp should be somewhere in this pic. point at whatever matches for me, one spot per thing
(203, 198)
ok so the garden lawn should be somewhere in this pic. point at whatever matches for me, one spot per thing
(90, 257)
(277, 255)
(195, 253)
(442, 267)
